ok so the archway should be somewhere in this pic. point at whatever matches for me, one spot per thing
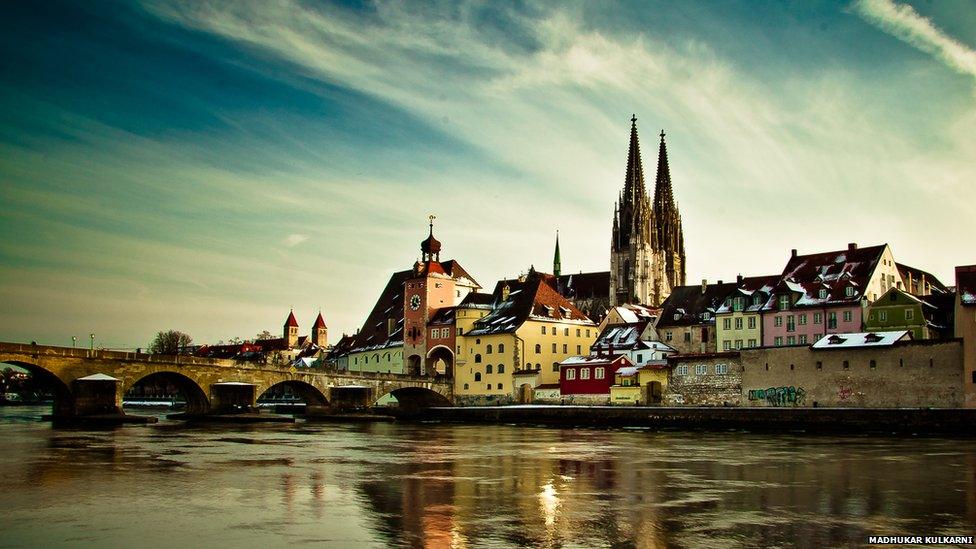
(292, 396)
(414, 363)
(525, 394)
(41, 387)
(412, 398)
(440, 362)
(170, 387)
(656, 393)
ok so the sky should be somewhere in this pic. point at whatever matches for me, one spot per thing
(208, 165)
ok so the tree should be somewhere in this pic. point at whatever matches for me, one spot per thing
(264, 335)
(235, 341)
(170, 342)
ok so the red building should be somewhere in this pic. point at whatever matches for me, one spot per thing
(589, 375)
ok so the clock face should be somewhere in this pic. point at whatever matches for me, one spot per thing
(415, 302)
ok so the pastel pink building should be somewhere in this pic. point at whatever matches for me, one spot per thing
(825, 293)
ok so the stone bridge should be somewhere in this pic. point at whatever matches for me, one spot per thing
(93, 382)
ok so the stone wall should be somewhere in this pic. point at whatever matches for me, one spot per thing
(709, 389)
(909, 374)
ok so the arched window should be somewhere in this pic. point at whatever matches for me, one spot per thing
(489, 386)
(366, 359)
(477, 358)
(488, 350)
(499, 386)
(465, 386)
(501, 347)
(488, 369)
(538, 348)
(501, 368)
(477, 376)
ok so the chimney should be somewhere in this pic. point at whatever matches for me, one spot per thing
(738, 279)
(611, 350)
(719, 283)
(704, 284)
(851, 246)
(793, 252)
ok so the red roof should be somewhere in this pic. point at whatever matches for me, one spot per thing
(291, 322)
(319, 322)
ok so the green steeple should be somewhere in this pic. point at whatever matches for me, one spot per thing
(556, 263)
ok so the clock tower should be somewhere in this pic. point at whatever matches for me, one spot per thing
(428, 289)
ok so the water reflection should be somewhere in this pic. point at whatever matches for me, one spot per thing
(473, 486)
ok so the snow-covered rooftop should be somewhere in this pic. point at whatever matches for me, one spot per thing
(861, 339)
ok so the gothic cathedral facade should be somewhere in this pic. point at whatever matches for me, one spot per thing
(647, 249)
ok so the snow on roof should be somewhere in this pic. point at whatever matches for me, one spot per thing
(627, 371)
(861, 339)
(626, 315)
(97, 377)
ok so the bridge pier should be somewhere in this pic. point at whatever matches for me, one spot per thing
(351, 398)
(233, 398)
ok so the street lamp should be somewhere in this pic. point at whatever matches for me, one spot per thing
(92, 342)
(74, 340)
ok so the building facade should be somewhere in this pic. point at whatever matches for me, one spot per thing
(965, 327)
(925, 317)
(738, 322)
(647, 257)
(687, 321)
(710, 379)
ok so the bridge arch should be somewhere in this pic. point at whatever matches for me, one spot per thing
(166, 382)
(306, 391)
(60, 390)
(440, 361)
(411, 398)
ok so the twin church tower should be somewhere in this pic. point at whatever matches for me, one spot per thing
(647, 248)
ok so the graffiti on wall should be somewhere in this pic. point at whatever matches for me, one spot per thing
(779, 396)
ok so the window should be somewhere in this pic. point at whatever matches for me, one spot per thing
(477, 358)
(752, 323)
(831, 320)
(554, 347)
(883, 316)
(755, 300)
(909, 314)
(584, 373)
(466, 387)
(538, 348)
(445, 332)
(752, 342)
(721, 369)
(565, 348)
(817, 318)
(791, 340)
(726, 323)
(435, 333)
(784, 302)
(587, 332)
(848, 316)
(849, 291)
(822, 294)
(667, 336)
(873, 364)
(488, 349)
(803, 340)
(488, 369)
(460, 331)
(778, 341)
(803, 319)
(570, 374)
(501, 368)
(847, 365)
(726, 345)
(599, 373)
(501, 348)
(489, 386)
(565, 331)
(681, 370)
(738, 323)
(579, 349)
(706, 316)
(687, 336)
(738, 304)
(819, 365)
(477, 376)
(555, 367)
(778, 321)
(543, 330)
(738, 344)
(701, 369)
(790, 323)
(577, 332)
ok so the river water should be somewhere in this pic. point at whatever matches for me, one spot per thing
(432, 485)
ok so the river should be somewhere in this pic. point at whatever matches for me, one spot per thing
(432, 485)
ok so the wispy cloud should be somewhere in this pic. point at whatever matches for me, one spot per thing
(293, 240)
(903, 22)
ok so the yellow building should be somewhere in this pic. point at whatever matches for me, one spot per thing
(507, 348)
(738, 323)
(638, 385)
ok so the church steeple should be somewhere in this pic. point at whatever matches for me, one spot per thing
(556, 262)
(668, 220)
(663, 196)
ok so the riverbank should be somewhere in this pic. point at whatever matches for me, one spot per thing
(821, 420)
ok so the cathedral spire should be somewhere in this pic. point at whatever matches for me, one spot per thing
(556, 262)
(634, 182)
(663, 196)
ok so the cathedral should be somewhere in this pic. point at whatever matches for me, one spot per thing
(647, 249)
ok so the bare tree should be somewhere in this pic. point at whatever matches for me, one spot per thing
(264, 335)
(171, 342)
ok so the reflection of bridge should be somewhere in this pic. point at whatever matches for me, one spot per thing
(93, 382)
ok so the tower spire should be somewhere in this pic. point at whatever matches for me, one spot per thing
(556, 262)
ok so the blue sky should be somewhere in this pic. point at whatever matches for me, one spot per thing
(208, 165)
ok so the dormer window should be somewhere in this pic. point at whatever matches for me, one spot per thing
(784, 302)
(706, 315)
(823, 293)
(849, 291)
(677, 316)
(755, 300)
(738, 304)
